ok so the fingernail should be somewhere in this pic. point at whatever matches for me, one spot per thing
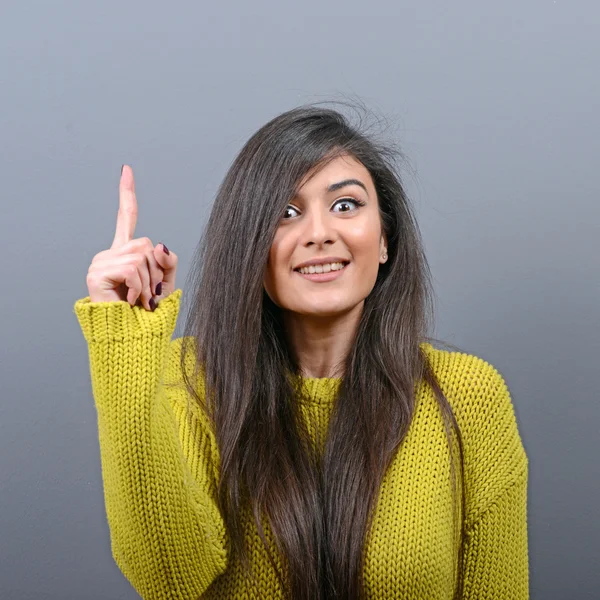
(165, 249)
(152, 304)
(158, 288)
(122, 169)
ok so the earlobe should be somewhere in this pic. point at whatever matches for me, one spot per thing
(384, 252)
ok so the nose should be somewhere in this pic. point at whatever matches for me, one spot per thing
(318, 228)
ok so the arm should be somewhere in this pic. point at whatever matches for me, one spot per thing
(495, 560)
(167, 535)
(495, 547)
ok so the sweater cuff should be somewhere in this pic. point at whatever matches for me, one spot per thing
(119, 321)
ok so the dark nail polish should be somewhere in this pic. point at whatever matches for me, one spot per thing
(165, 249)
(152, 304)
(158, 288)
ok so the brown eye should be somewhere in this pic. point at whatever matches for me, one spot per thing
(287, 208)
(349, 201)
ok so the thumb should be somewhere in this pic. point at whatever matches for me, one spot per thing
(167, 259)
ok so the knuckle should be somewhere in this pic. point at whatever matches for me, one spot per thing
(99, 256)
(91, 278)
(127, 213)
(130, 209)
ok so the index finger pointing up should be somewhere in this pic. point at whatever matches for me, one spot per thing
(128, 209)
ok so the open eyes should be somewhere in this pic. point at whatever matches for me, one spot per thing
(341, 202)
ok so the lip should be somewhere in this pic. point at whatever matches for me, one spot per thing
(321, 261)
(323, 277)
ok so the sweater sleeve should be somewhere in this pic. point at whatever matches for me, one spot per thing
(495, 559)
(495, 547)
(167, 534)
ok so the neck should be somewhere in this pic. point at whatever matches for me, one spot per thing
(321, 343)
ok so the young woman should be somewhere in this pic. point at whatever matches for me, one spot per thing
(303, 439)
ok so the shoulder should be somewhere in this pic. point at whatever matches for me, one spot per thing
(494, 454)
(472, 383)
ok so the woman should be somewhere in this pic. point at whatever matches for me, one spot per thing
(303, 438)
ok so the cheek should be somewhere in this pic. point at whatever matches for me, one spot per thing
(365, 245)
(269, 278)
(273, 279)
(278, 261)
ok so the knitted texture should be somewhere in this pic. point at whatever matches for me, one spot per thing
(160, 472)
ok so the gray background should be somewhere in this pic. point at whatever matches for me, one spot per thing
(497, 109)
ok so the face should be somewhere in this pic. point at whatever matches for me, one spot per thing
(327, 220)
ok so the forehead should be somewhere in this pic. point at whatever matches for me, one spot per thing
(341, 167)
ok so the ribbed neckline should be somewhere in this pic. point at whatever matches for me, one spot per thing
(319, 390)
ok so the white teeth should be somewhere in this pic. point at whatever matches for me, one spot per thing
(322, 268)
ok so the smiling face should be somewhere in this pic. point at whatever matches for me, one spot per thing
(328, 220)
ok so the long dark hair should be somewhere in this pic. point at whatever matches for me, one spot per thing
(319, 503)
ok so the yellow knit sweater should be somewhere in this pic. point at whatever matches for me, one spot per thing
(159, 476)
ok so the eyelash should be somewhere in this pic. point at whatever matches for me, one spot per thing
(356, 201)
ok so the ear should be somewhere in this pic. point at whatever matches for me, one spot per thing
(383, 248)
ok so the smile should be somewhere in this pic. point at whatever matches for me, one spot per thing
(323, 277)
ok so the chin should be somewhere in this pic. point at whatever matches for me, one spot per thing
(323, 310)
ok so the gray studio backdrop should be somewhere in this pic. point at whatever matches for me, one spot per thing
(496, 106)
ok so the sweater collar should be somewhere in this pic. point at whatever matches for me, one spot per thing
(318, 390)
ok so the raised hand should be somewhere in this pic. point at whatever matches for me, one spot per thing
(133, 270)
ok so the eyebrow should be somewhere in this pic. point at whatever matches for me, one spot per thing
(340, 184)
